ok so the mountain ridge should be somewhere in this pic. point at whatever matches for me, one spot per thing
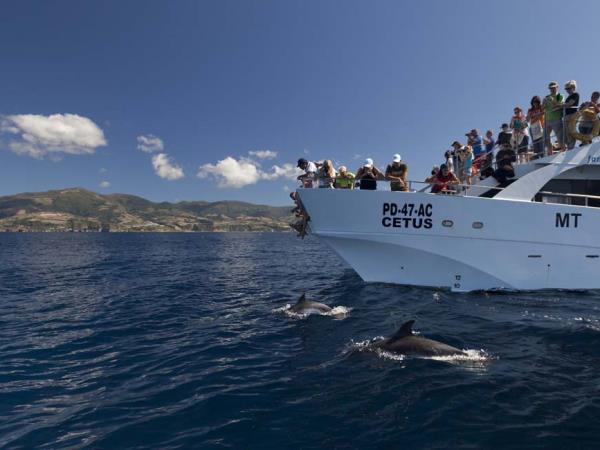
(78, 209)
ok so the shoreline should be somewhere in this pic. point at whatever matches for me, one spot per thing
(145, 231)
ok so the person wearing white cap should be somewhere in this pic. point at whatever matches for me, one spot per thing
(396, 173)
(553, 104)
(368, 175)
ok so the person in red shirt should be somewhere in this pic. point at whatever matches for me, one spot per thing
(443, 179)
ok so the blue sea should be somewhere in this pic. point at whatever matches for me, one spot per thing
(172, 341)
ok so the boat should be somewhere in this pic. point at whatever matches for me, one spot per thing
(542, 231)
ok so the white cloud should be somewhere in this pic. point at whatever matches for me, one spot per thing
(102, 170)
(38, 136)
(234, 173)
(104, 184)
(287, 170)
(263, 154)
(163, 165)
(165, 168)
(149, 143)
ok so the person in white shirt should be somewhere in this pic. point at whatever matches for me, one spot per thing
(310, 172)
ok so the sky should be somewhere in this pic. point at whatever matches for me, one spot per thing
(216, 100)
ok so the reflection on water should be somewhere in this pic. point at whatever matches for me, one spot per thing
(170, 341)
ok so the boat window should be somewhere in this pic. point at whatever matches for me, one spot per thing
(565, 186)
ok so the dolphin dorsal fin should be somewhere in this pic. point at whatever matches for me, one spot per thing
(405, 330)
(302, 299)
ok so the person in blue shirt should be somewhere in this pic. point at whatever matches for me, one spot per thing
(475, 142)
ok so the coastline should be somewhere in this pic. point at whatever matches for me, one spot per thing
(82, 211)
(148, 232)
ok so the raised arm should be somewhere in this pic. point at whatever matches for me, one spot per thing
(378, 174)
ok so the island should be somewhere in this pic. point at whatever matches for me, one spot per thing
(81, 210)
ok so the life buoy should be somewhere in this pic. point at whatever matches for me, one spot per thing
(587, 114)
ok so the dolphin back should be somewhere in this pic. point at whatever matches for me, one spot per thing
(404, 341)
(429, 347)
(307, 306)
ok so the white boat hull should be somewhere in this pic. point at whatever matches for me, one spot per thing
(486, 244)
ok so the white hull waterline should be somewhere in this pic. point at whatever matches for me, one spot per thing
(466, 242)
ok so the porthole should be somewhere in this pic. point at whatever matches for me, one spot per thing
(447, 223)
(477, 225)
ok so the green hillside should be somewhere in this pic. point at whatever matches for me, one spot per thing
(82, 210)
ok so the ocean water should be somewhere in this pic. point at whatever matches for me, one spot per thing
(183, 341)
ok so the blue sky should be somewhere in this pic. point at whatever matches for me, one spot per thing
(215, 80)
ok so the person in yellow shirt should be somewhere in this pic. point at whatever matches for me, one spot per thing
(344, 179)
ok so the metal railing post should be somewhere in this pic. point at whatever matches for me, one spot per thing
(564, 136)
(544, 146)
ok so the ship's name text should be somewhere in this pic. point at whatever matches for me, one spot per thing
(408, 215)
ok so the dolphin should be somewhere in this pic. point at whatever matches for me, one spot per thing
(405, 342)
(305, 306)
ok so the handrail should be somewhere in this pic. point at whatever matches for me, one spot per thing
(461, 192)
(561, 194)
(497, 188)
(586, 198)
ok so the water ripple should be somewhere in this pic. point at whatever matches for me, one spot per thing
(170, 341)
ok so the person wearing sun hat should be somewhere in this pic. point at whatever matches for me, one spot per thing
(397, 173)
(553, 104)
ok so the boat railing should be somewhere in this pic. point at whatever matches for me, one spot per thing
(458, 189)
(529, 153)
(546, 197)
(567, 127)
(461, 190)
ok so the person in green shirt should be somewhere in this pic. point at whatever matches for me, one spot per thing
(553, 113)
(344, 179)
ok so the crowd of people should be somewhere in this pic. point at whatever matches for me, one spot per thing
(525, 137)
(323, 175)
